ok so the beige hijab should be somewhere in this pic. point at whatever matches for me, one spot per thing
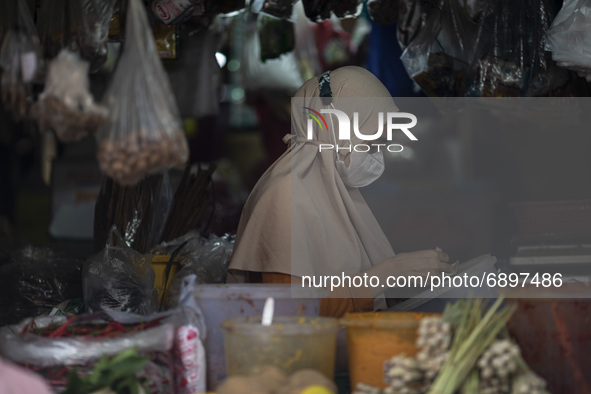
(300, 219)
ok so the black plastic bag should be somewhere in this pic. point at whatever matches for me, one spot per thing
(36, 280)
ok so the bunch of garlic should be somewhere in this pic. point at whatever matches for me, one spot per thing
(434, 340)
(496, 365)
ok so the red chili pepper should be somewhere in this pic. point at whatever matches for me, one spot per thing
(62, 329)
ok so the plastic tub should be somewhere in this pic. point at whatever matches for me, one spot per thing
(291, 343)
(222, 302)
(375, 337)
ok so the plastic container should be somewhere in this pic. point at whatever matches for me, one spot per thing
(222, 302)
(290, 343)
(375, 337)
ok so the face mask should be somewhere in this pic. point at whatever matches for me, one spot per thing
(364, 168)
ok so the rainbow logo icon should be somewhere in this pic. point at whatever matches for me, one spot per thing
(316, 115)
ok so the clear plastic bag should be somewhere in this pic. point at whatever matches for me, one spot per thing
(98, 15)
(144, 134)
(35, 280)
(569, 37)
(66, 105)
(439, 55)
(118, 279)
(205, 257)
(20, 59)
(281, 9)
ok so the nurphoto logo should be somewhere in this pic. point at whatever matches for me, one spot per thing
(344, 129)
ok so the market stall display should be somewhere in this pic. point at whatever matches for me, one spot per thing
(464, 350)
(55, 346)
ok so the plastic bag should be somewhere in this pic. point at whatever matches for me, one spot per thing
(509, 54)
(118, 279)
(569, 37)
(276, 37)
(66, 105)
(144, 134)
(205, 257)
(172, 340)
(20, 60)
(277, 74)
(98, 15)
(36, 280)
(438, 56)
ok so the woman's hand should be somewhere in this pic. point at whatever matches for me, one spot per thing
(411, 264)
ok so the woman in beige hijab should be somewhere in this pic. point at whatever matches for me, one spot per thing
(306, 216)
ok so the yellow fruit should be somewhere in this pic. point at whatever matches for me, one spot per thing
(316, 390)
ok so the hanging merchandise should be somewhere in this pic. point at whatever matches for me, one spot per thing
(66, 105)
(569, 37)
(172, 12)
(282, 73)
(97, 14)
(144, 134)
(438, 56)
(281, 9)
(319, 10)
(20, 60)
(509, 57)
(276, 37)
(166, 38)
(333, 45)
(412, 16)
(383, 12)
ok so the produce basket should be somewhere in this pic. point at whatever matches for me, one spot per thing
(554, 217)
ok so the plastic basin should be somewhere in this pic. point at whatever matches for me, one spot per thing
(222, 302)
(290, 343)
(375, 337)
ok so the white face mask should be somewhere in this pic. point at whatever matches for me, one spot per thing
(364, 168)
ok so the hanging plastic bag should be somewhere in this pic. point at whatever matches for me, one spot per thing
(66, 105)
(144, 134)
(118, 279)
(276, 37)
(282, 73)
(97, 14)
(509, 54)
(438, 56)
(569, 37)
(20, 60)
